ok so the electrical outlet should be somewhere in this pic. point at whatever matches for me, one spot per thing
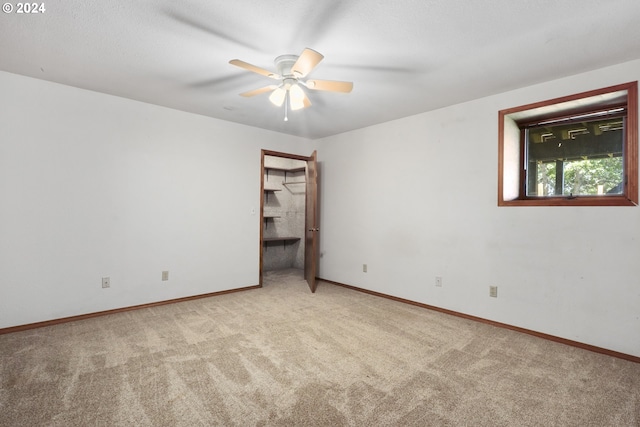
(364, 268)
(165, 276)
(439, 281)
(493, 291)
(106, 282)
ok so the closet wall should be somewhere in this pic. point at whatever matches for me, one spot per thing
(283, 214)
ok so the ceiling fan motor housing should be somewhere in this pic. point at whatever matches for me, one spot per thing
(284, 63)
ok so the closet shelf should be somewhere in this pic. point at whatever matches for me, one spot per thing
(284, 240)
(266, 219)
(286, 170)
(297, 169)
(280, 239)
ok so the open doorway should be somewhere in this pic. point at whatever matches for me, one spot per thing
(288, 228)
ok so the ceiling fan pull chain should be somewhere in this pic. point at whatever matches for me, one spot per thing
(286, 104)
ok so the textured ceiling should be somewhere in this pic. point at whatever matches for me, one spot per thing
(404, 57)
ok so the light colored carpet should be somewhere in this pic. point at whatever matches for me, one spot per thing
(281, 356)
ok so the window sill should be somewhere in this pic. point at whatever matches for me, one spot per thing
(573, 201)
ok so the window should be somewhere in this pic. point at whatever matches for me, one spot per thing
(579, 150)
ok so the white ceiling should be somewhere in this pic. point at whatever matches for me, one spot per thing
(404, 56)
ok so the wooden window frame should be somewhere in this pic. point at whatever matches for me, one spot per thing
(509, 154)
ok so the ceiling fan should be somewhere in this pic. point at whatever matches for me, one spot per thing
(291, 70)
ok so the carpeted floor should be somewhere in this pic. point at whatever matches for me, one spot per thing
(281, 356)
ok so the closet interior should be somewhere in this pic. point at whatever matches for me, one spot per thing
(283, 214)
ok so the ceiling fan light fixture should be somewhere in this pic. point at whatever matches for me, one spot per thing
(292, 69)
(277, 97)
(297, 105)
(296, 97)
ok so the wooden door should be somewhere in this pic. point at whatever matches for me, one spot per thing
(311, 221)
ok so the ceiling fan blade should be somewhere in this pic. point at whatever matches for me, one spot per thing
(250, 67)
(330, 85)
(201, 25)
(259, 91)
(306, 62)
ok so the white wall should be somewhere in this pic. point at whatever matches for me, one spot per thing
(93, 185)
(417, 198)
